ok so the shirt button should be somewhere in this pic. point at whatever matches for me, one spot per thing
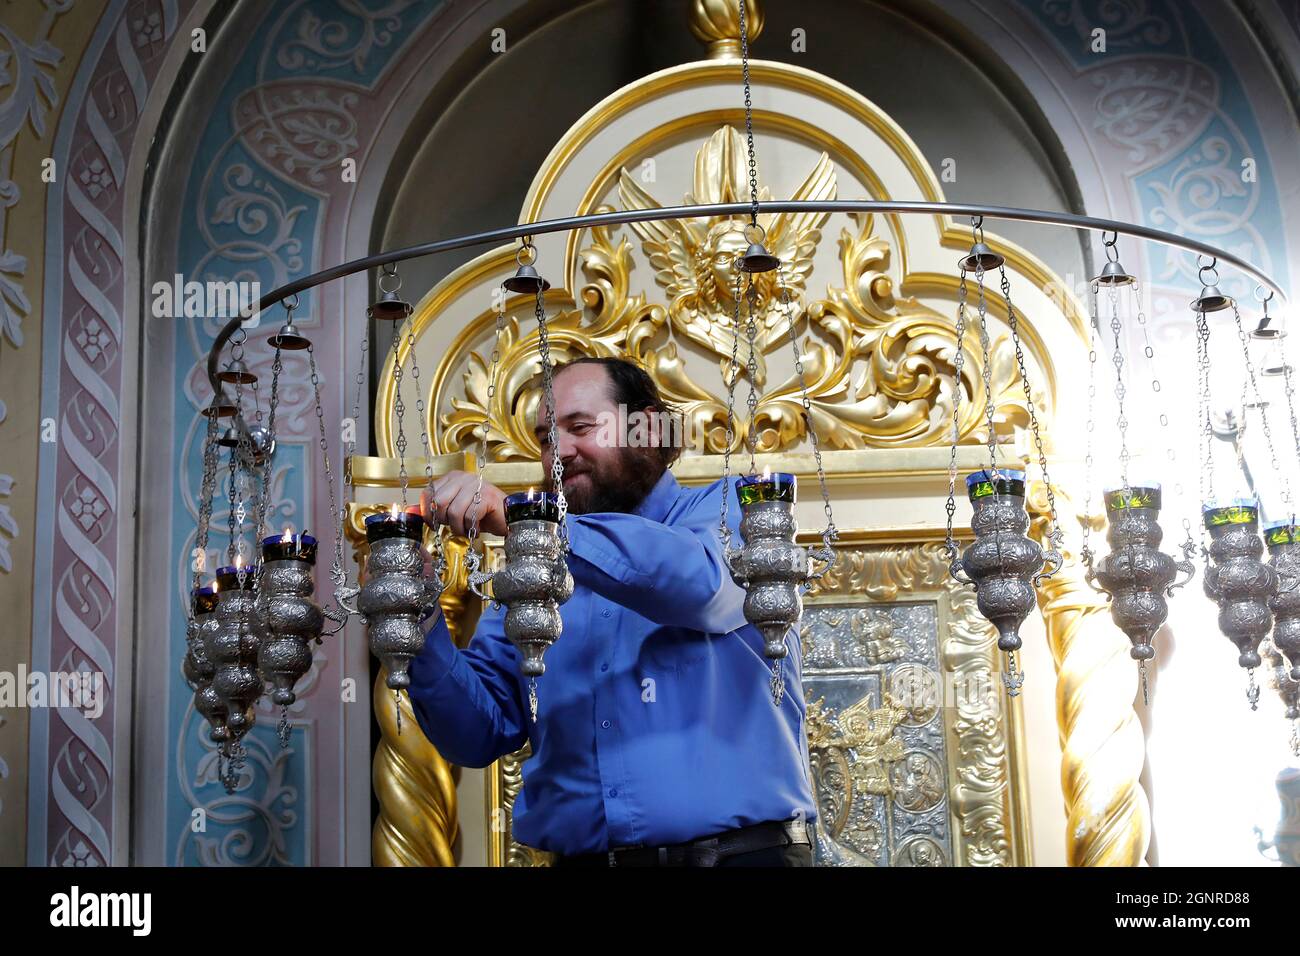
(605, 613)
(604, 667)
(613, 792)
(605, 724)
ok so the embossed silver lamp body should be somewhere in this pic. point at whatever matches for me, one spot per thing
(199, 671)
(1284, 558)
(1136, 575)
(292, 619)
(771, 568)
(1238, 581)
(395, 598)
(532, 584)
(1003, 563)
(232, 648)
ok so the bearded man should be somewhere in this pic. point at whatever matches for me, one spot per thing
(657, 741)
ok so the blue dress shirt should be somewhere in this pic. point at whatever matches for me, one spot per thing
(655, 720)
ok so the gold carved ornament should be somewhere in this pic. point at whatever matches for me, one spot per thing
(987, 804)
(879, 367)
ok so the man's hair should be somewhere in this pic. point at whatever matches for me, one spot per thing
(632, 387)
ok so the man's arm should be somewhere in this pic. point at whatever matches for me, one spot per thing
(467, 702)
(672, 574)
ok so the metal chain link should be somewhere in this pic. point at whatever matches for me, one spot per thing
(751, 335)
(338, 614)
(343, 594)
(473, 562)
(1206, 480)
(1263, 413)
(206, 490)
(959, 361)
(749, 116)
(1121, 390)
(264, 492)
(399, 413)
(981, 308)
(437, 556)
(827, 552)
(1085, 552)
(481, 456)
(724, 530)
(1289, 392)
(548, 400)
(1055, 535)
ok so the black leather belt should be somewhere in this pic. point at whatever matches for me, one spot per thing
(706, 851)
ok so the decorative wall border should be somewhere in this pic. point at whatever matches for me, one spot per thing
(77, 799)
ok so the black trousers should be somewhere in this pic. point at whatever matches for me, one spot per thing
(797, 854)
(800, 854)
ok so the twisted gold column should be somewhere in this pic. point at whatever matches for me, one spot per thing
(416, 788)
(1103, 746)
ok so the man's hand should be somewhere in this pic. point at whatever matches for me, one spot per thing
(453, 499)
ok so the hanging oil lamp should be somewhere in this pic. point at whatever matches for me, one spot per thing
(290, 616)
(1003, 563)
(1239, 582)
(1283, 541)
(232, 648)
(396, 595)
(1136, 576)
(534, 581)
(770, 566)
(198, 667)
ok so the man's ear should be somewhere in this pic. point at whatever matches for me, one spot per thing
(654, 436)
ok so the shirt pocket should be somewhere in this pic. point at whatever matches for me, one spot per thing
(674, 649)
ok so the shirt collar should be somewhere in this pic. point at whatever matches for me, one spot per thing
(657, 502)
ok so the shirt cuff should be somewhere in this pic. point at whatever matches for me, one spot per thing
(436, 659)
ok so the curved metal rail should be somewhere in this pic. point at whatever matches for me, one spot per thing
(1068, 220)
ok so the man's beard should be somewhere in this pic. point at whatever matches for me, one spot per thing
(618, 484)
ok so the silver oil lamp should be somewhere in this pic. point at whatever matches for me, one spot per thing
(1003, 563)
(232, 647)
(770, 566)
(1239, 582)
(396, 595)
(290, 615)
(1136, 576)
(534, 581)
(199, 669)
(1283, 540)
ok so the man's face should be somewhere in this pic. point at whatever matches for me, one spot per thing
(596, 477)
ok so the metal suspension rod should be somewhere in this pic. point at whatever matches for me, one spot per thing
(508, 233)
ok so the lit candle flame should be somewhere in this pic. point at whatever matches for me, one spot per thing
(216, 586)
(767, 472)
(532, 494)
(394, 512)
(239, 561)
(288, 535)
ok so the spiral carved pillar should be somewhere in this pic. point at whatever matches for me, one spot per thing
(1103, 745)
(416, 788)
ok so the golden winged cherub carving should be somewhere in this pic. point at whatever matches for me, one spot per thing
(879, 365)
(693, 259)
